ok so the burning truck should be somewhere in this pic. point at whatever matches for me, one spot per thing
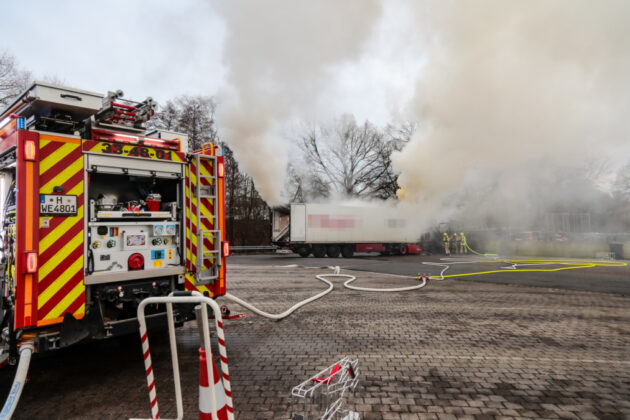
(332, 230)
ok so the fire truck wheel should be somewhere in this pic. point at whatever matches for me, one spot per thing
(333, 251)
(319, 251)
(304, 251)
(347, 251)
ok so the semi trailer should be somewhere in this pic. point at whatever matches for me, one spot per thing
(332, 230)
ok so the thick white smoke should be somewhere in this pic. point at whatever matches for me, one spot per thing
(512, 94)
(280, 56)
(512, 101)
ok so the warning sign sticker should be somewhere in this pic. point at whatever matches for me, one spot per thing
(57, 205)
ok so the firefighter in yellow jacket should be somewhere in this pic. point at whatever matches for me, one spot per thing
(447, 244)
(463, 246)
(455, 243)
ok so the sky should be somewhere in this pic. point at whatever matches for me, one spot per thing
(508, 95)
(164, 49)
(158, 48)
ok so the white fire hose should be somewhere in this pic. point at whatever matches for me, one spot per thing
(321, 277)
(26, 350)
(298, 305)
(392, 289)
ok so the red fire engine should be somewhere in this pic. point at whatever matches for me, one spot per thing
(98, 214)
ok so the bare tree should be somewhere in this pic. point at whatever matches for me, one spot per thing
(12, 80)
(395, 138)
(248, 221)
(351, 159)
(193, 115)
(304, 186)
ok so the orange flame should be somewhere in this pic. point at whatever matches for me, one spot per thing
(401, 192)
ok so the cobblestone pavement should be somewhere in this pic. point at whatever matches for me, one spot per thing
(455, 349)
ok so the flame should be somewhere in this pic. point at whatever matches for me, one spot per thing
(401, 192)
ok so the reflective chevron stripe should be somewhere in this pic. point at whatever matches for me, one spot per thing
(206, 206)
(60, 275)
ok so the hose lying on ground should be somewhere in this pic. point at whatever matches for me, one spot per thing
(26, 350)
(515, 264)
(392, 289)
(447, 265)
(322, 278)
(298, 305)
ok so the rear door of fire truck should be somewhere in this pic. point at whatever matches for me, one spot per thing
(206, 248)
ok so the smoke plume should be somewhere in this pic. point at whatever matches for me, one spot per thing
(513, 98)
(280, 56)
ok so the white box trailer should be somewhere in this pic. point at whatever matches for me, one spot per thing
(329, 229)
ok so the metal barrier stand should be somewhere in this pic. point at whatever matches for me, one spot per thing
(185, 297)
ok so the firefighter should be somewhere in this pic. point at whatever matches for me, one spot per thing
(447, 246)
(463, 245)
(455, 243)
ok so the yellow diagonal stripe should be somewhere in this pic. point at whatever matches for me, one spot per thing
(204, 210)
(77, 190)
(56, 157)
(199, 287)
(43, 143)
(59, 231)
(63, 253)
(64, 175)
(55, 286)
(62, 306)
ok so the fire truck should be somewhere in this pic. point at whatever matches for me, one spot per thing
(98, 214)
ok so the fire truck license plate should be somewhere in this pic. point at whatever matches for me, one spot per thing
(57, 205)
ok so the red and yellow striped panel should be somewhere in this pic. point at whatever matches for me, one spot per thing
(132, 150)
(206, 209)
(60, 280)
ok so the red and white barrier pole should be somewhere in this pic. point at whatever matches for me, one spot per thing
(215, 399)
(224, 369)
(148, 368)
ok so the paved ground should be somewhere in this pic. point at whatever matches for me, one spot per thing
(455, 349)
(609, 281)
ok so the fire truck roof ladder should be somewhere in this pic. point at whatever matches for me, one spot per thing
(214, 235)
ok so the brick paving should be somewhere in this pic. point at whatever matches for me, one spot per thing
(456, 349)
